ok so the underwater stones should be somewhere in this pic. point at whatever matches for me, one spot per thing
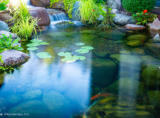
(154, 97)
(136, 40)
(13, 58)
(122, 19)
(32, 94)
(104, 72)
(7, 33)
(40, 3)
(3, 26)
(34, 109)
(151, 76)
(134, 27)
(56, 103)
(40, 14)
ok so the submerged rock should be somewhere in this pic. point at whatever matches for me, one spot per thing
(3, 26)
(136, 40)
(41, 15)
(151, 76)
(134, 27)
(13, 58)
(32, 94)
(33, 109)
(7, 33)
(123, 19)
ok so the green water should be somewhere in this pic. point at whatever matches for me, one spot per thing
(123, 70)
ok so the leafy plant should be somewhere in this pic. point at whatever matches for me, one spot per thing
(90, 11)
(107, 22)
(135, 6)
(3, 4)
(7, 43)
(24, 23)
(144, 17)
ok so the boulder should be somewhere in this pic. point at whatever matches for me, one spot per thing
(134, 27)
(155, 26)
(13, 58)
(3, 26)
(46, 4)
(40, 3)
(123, 19)
(6, 33)
(156, 38)
(114, 4)
(6, 17)
(41, 14)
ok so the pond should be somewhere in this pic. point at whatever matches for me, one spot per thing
(120, 77)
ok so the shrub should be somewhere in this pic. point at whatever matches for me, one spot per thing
(24, 23)
(135, 6)
(144, 17)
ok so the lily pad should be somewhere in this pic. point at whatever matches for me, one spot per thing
(64, 54)
(70, 59)
(81, 58)
(44, 55)
(32, 48)
(80, 44)
(88, 47)
(82, 51)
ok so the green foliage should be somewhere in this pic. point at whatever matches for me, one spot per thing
(90, 11)
(24, 23)
(135, 6)
(68, 5)
(108, 19)
(3, 4)
(1, 61)
(8, 69)
(144, 18)
(7, 43)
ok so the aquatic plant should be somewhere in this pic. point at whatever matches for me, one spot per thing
(69, 57)
(24, 23)
(7, 43)
(3, 4)
(135, 6)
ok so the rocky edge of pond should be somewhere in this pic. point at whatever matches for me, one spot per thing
(13, 58)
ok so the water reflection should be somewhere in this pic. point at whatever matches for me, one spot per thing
(129, 73)
(61, 87)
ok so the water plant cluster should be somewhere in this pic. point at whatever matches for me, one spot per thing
(34, 46)
(70, 57)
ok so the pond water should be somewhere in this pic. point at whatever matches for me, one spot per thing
(120, 78)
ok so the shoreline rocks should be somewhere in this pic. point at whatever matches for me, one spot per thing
(41, 14)
(13, 58)
(4, 26)
(134, 27)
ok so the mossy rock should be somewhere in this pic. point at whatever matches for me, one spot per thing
(104, 72)
(136, 40)
(154, 97)
(151, 76)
